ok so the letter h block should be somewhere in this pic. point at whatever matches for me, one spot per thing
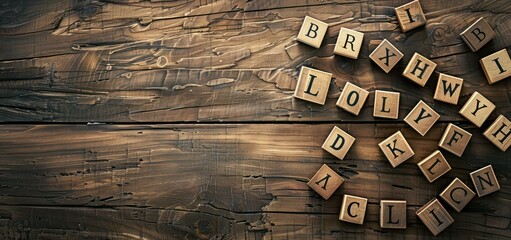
(312, 85)
(499, 133)
(312, 32)
(338, 143)
(419, 69)
(434, 216)
(353, 209)
(396, 149)
(325, 182)
(478, 34)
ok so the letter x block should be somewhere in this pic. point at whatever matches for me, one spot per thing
(312, 32)
(455, 139)
(325, 181)
(338, 143)
(478, 34)
(422, 117)
(393, 214)
(434, 216)
(485, 181)
(349, 43)
(312, 85)
(477, 109)
(352, 98)
(499, 133)
(386, 56)
(457, 194)
(410, 16)
(353, 209)
(396, 149)
(434, 166)
(419, 69)
(496, 66)
(448, 89)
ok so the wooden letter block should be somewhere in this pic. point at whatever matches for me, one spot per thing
(352, 98)
(386, 104)
(496, 66)
(410, 16)
(448, 89)
(499, 133)
(455, 139)
(421, 118)
(312, 85)
(348, 43)
(312, 32)
(419, 69)
(485, 181)
(325, 181)
(353, 209)
(478, 34)
(386, 56)
(477, 109)
(434, 166)
(338, 143)
(393, 214)
(434, 216)
(396, 149)
(457, 194)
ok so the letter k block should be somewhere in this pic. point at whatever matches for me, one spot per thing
(396, 149)
(312, 85)
(312, 32)
(338, 143)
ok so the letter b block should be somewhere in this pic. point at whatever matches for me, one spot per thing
(396, 149)
(485, 181)
(353, 209)
(478, 34)
(349, 43)
(455, 139)
(312, 32)
(338, 143)
(434, 216)
(410, 16)
(457, 194)
(499, 133)
(312, 85)
(352, 98)
(325, 181)
(496, 66)
(419, 69)
(393, 214)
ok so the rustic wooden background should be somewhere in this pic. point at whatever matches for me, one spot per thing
(175, 119)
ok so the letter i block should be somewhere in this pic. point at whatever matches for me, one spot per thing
(352, 98)
(386, 56)
(419, 69)
(410, 16)
(496, 66)
(455, 139)
(338, 142)
(312, 32)
(457, 194)
(396, 149)
(421, 118)
(478, 34)
(485, 181)
(448, 89)
(353, 209)
(349, 43)
(499, 133)
(312, 85)
(386, 104)
(393, 214)
(477, 109)
(325, 181)
(434, 166)
(434, 216)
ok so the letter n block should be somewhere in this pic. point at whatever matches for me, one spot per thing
(353, 209)
(499, 133)
(393, 214)
(419, 69)
(422, 117)
(349, 43)
(434, 166)
(455, 139)
(312, 32)
(386, 56)
(496, 66)
(325, 181)
(338, 143)
(448, 89)
(396, 149)
(477, 109)
(457, 194)
(352, 98)
(477, 34)
(434, 216)
(386, 104)
(485, 181)
(410, 16)
(312, 85)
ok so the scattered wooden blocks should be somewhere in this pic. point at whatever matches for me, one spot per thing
(393, 214)
(496, 66)
(386, 56)
(353, 209)
(448, 89)
(338, 143)
(434, 166)
(455, 139)
(499, 133)
(312, 32)
(485, 181)
(349, 43)
(477, 109)
(396, 149)
(325, 181)
(386, 104)
(410, 16)
(478, 34)
(312, 85)
(421, 118)
(434, 216)
(419, 69)
(352, 98)
(457, 194)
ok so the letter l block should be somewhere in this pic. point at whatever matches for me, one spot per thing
(312, 85)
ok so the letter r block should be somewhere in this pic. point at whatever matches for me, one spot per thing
(485, 181)
(353, 209)
(349, 43)
(352, 98)
(312, 32)
(499, 133)
(455, 139)
(312, 85)
(393, 214)
(496, 66)
(338, 143)
(396, 149)
(478, 34)
(434, 216)
(477, 109)
(410, 16)
(434, 166)
(419, 69)
(325, 181)
(457, 194)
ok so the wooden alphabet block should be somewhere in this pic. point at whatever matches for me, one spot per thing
(419, 69)
(352, 98)
(312, 32)
(421, 118)
(312, 85)
(477, 34)
(410, 16)
(396, 149)
(448, 89)
(434, 166)
(485, 181)
(499, 133)
(477, 109)
(338, 143)
(353, 209)
(393, 214)
(349, 43)
(434, 216)
(457, 194)
(455, 139)
(386, 56)
(496, 66)
(325, 181)
(386, 104)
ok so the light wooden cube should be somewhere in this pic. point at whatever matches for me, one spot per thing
(448, 89)
(353, 209)
(419, 69)
(477, 109)
(410, 16)
(349, 43)
(325, 181)
(393, 214)
(312, 85)
(499, 133)
(434, 166)
(386, 56)
(485, 181)
(386, 104)
(396, 149)
(312, 32)
(457, 194)
(422, 117)
(434, 216)
(478, 34)
(338, 143)
(496, 66)
(455, 139)
(352, 98)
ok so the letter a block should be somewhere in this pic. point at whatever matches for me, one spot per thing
(477, 109)
(386, 56)
(352, 98)
(478, 34)
(457, 194)
(499, 133)
(434, 216)
(353, 209)
(448, 89)
(393, 214)
(496, 66)
(325, 181)
(386, 104)
(421, 118)
(312, 85)
(455, 139)
(312, 32)
(410, 16)
(434, 166)
(419, 69)
(349, 43)
(338, 143)
(485, 181)
(396, 149)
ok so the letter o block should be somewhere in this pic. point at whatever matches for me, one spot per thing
(352, 98)
(338, 143)
(353, 209)
(312, 32)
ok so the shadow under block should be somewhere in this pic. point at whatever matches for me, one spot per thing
(419, 69)
(396, 149)
(434, 166)
(448, 89)
(421, 118)
(434, 216)
(338, 143)
(386, 56)
(485, 181)
(352, 98)
(410, 16)
(325, 181)
(312, 85)
(353, 209)
(499, 133)
(312, 32)
(496, 66)
(393, 214)
(477, 109)
(349, 43)
(386, 104)
(455, 139)
(457, 194)
(478, 34)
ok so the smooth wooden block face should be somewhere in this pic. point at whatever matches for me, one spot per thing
(349, 43)
(419, 69)
(312, 32)
(386, 56)
(485, 181)
(353, 209)
(496, 66)
(434, 216)
(478, 34)
(393, 214)
(448, 89)
(410, 16)
(386, 104)
(434, 166)
(421, 118)
(499, 133)
(396, 149)
(325, 181)
(457, 194)
(312, 85)
(455, 139)
(477, 109)
(338, 143)
(352, 98)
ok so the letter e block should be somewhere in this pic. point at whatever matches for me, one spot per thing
(393, 214)
(325, 181)
(496, 66)
(312, 85)
(312, 32)
(353, 209)
(477, 109)
(485, 181)
(419, 69)
(434, 216)
(421, 118)
(457, 194)
(386, 56)
(499, 133)
(386, 104)
(349, 43)
(352, 98)
(455, 139)
(338, 143)
(434, 166)
(396, 149)
(448, 89)
(410, 16)
(478, 34)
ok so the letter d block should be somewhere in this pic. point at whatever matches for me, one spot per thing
(312, 32)
(312, 85)
(352, 98)
(325, 181)
(457, 194)
(410, 16)
(338, 143)
(353, 209)
(499, 133)
(455, 139)
(393, 214)
(477, 109)
(349, 43)
(478, 34)
(434, 216)
(419, 69)
(396, 149)
(496, 66)
(485, 181)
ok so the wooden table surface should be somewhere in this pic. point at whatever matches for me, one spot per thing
(175, 119)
